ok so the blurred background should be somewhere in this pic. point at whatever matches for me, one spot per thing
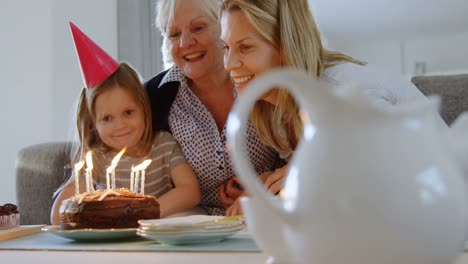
(40, 77)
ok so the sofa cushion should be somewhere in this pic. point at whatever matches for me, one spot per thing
(452, 88)
(40, 170)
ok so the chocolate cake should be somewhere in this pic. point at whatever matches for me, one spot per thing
(103, 209)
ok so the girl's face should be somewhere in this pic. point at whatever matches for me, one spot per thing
(194, 41)
(247, 53)
(119, 119)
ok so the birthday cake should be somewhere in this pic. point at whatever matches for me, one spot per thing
(105, 209)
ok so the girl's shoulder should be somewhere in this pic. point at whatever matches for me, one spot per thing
(161, 137)
(163, 140)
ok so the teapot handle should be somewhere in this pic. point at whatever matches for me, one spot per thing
(296, 82)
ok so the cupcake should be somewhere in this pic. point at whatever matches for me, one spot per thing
(9, 216)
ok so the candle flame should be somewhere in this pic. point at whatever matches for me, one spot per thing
(142, 165)
(89, 160)
(117, 158)
(79, 165)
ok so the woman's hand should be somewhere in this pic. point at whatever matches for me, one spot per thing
(274, 181)
(230, 191)
(235, 208)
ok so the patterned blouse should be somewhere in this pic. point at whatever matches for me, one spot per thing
(165, 155)
(194, 128)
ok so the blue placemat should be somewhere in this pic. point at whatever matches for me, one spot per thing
(240, 242)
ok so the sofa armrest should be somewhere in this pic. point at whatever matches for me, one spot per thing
(40, 170)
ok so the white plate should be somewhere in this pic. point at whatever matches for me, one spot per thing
(142, 230)
(92, 234)
(188, 238)
(192, 222)
(220, 228)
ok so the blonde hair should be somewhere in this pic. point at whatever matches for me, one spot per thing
(165, 12)
(126, 78)
(290, 27)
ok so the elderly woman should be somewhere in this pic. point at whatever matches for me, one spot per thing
(193, 98)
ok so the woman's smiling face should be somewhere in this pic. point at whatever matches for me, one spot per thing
(247, 53)
(194, 40)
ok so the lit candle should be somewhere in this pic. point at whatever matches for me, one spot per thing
(137, 180)
(132, 178)
(78, 167)
(142, 188)
(108, 180)
(113, 178)
(143, 166)
(114, 163)
(89, 172)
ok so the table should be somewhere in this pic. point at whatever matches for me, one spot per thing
(44, 252)
(44, 247)
(75, 257)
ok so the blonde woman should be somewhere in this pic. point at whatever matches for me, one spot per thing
(259, 35)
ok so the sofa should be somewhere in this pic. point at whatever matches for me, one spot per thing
(42, 168)
(453, 90)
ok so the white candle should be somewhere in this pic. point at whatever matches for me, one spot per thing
(142, 188)
(108, 175)
(89, 172)
(114, 163)
(113, 178)
(78, 167)
(143, 167)
(137, 180)
(87, 181)
(132, 178)
(91, 185)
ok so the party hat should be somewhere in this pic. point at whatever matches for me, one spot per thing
(96, 64)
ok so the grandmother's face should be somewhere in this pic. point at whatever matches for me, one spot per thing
(194, 40)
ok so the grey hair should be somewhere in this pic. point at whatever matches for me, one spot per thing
(164, 16)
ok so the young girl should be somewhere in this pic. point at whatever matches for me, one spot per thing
(114, 113)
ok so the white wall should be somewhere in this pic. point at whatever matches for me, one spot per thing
(39, 73)
(386, 52)
(441, 53)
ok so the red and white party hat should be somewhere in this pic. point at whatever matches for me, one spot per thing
(96, 64)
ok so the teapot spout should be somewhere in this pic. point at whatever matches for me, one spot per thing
(458, 139)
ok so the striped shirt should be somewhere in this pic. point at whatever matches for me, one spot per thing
(194, 128)
(165, 155)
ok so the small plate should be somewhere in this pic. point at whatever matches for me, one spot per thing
(92, 234)
(192, 222)
(187, 238)
(142, 230)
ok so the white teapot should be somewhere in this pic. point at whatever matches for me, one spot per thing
(366, 184)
